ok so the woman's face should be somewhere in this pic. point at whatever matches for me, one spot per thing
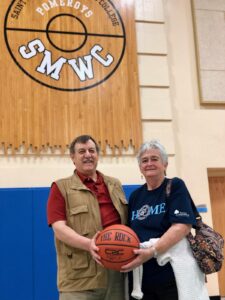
(151, 164)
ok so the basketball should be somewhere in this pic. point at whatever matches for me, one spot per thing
(116, 244)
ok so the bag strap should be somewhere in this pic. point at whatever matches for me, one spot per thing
(168, 191)
(168, 187)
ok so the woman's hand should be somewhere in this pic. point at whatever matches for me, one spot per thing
(93, 249)
(143, 255)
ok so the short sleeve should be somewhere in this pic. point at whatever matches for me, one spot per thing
(179, 204)
(56, 210)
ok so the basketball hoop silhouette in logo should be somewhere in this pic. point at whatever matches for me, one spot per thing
(64, 49)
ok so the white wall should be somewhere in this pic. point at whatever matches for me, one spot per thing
(199, 131)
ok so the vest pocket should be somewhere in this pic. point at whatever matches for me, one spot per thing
(79, 219)
(80, 265)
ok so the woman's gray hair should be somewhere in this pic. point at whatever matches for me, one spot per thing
(153, 144)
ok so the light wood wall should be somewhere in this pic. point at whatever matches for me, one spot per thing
(35, 118)
(155, 102)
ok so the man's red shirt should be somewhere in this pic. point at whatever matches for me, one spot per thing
(56, 210)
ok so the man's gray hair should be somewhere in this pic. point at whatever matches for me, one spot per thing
(153, 144)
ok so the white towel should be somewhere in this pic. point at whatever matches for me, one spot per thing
(189, 278)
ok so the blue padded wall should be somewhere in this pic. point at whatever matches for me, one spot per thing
(16, 243)
(44, 258)
(27, 252)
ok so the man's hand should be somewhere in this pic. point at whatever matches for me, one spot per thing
(93, 249)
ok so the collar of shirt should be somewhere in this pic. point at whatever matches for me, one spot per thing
(86, 179)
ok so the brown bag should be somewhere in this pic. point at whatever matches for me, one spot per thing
(207, 245)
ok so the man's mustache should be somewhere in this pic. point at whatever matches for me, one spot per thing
(87, 160)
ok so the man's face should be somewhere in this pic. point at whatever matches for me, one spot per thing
(85, 158)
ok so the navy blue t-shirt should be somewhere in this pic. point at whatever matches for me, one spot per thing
(150, 215)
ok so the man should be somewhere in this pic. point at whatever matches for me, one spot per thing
(78, 207)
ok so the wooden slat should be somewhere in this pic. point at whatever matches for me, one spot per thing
(34, 115)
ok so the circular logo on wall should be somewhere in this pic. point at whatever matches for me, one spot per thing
(66, 45)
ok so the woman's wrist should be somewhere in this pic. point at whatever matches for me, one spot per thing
(154, 251)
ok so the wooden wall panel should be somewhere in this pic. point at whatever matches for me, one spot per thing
(151, 38)
(162, 131)
(156, 109)
(149, 10)
(153, 70)
(95, 92)
(155, 104)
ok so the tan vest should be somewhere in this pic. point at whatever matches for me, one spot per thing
(77, 270)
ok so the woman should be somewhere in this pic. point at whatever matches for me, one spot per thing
(154, 215)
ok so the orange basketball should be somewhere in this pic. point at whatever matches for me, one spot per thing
(116, 244)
